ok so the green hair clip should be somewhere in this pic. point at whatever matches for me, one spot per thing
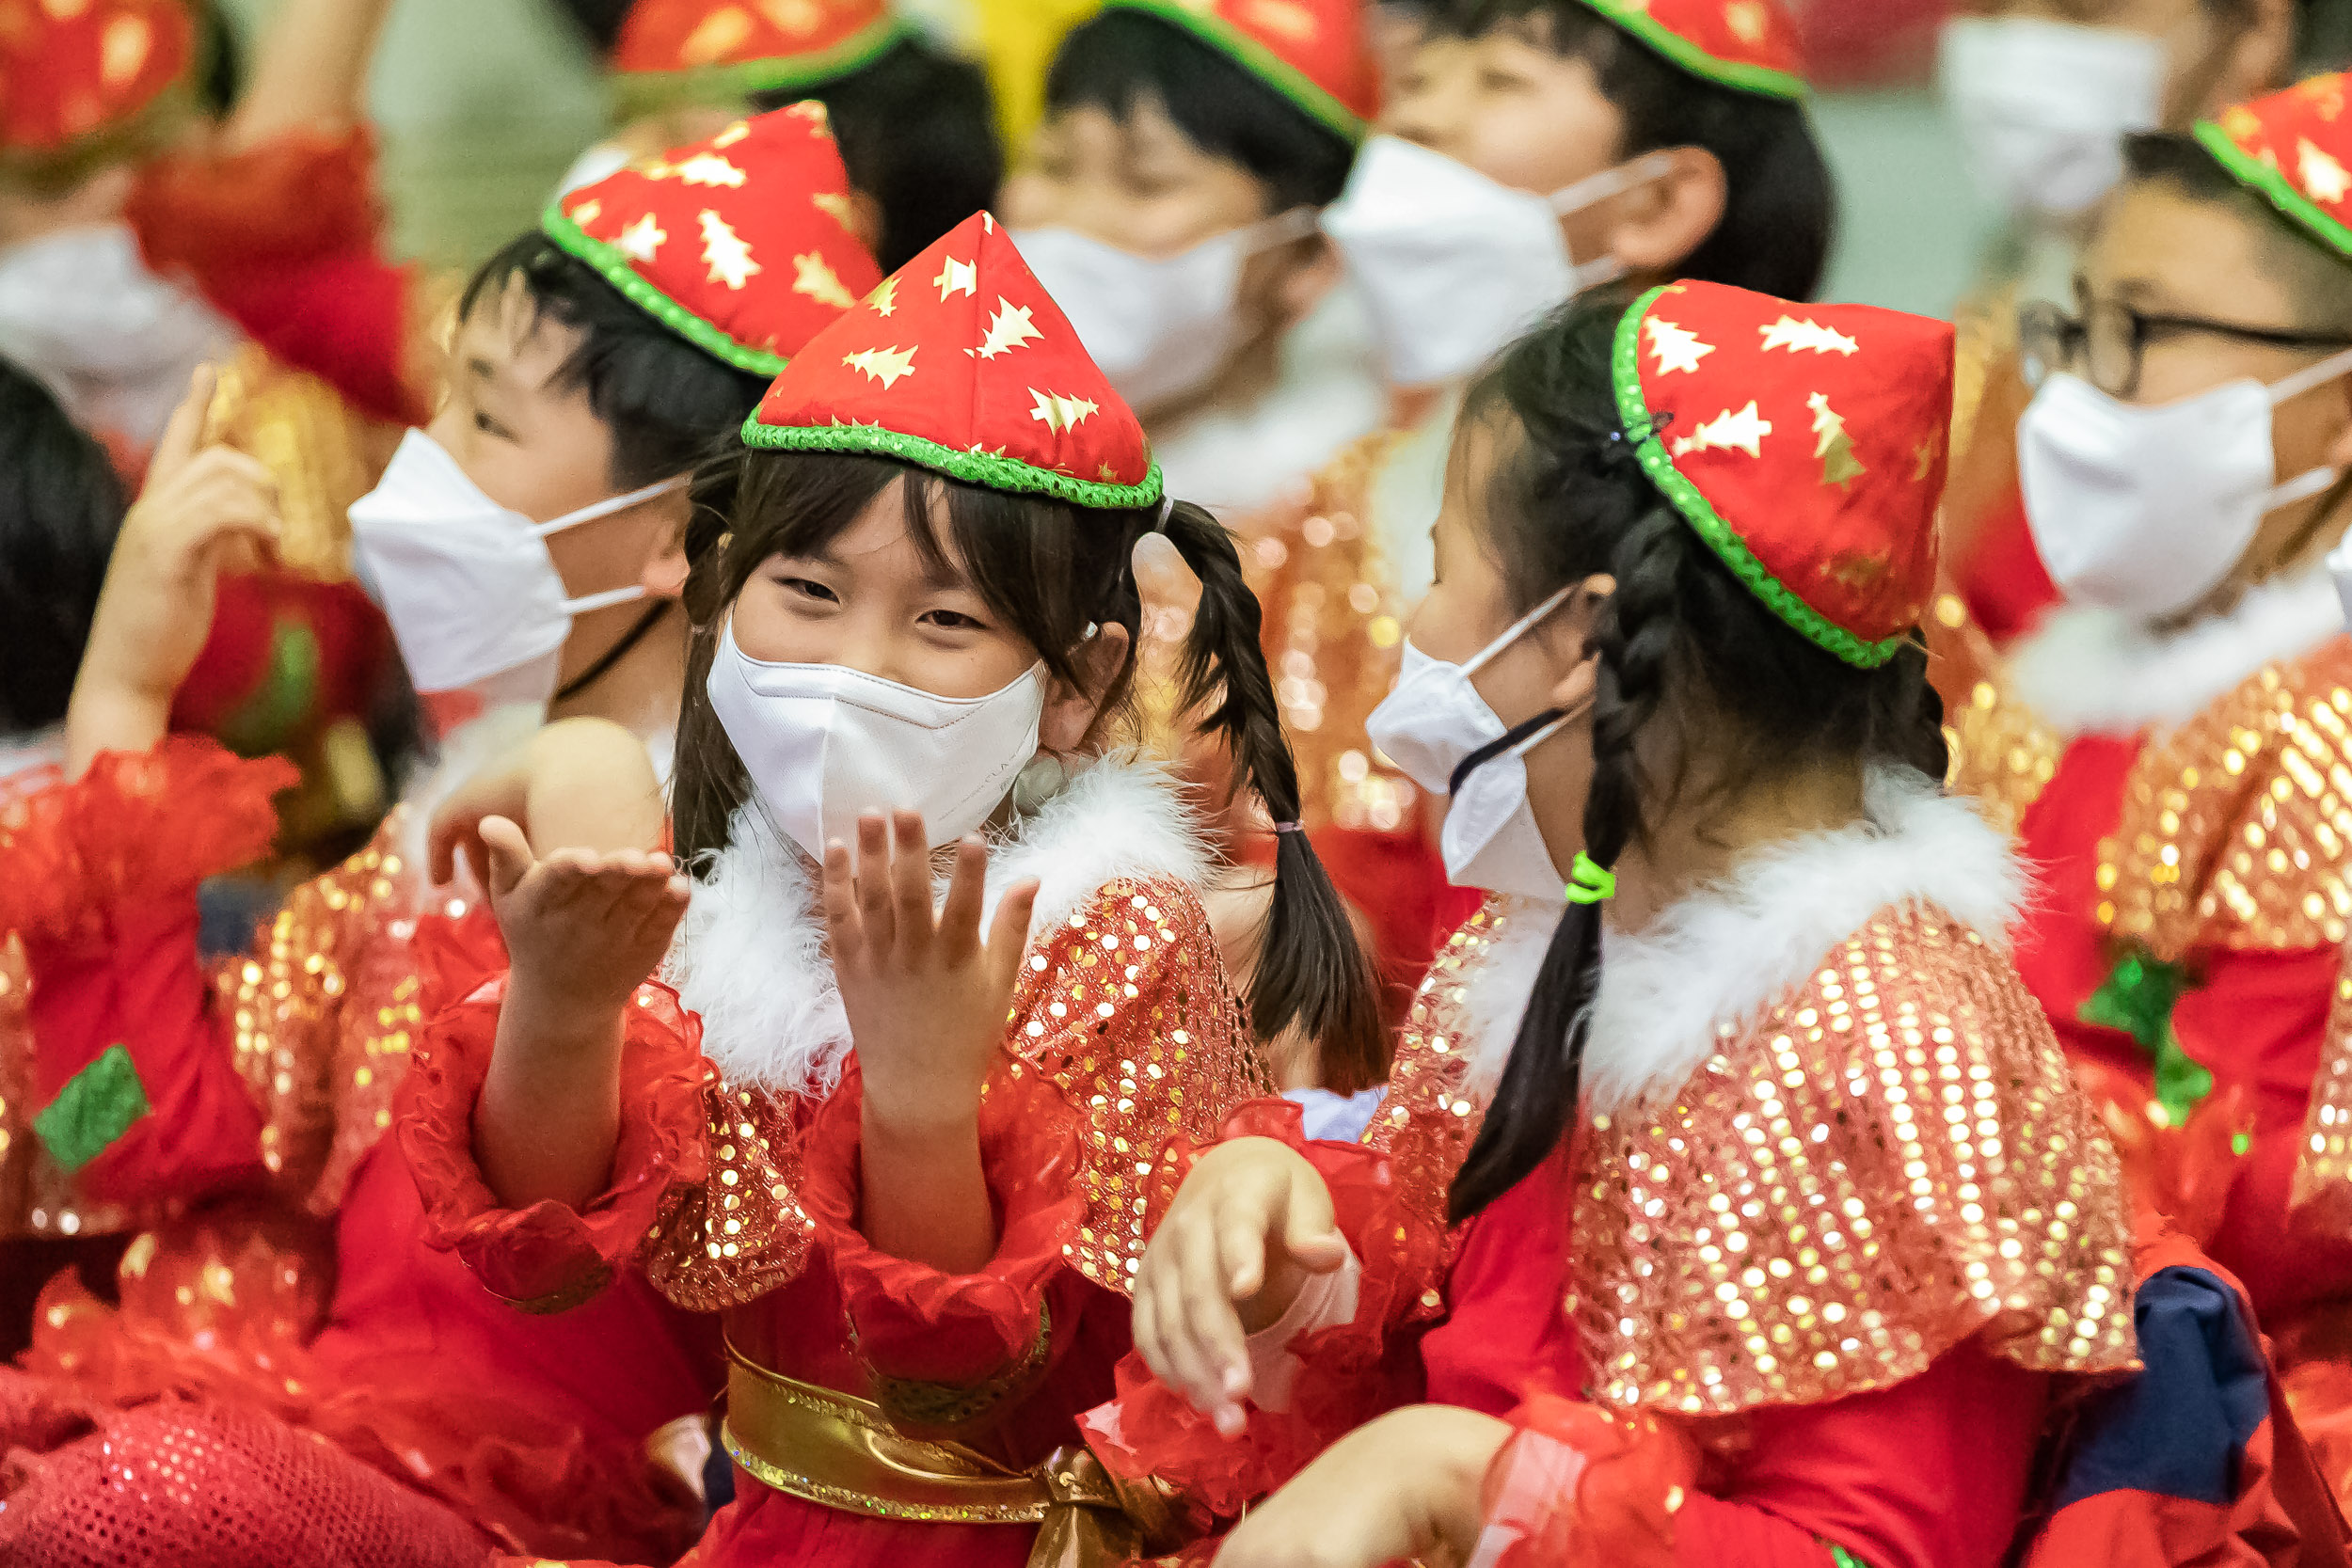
(1589, 881)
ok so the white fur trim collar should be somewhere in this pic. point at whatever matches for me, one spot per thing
(751, 962)
(1719, 955)
(2093, 671)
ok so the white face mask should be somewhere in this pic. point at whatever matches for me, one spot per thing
(1454, 265)
(824, 744)
(468, 584)
(1441, 733)
(2044, 107)
(1160, 329)
(2145, 510)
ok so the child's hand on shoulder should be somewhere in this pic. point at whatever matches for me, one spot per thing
(926, 998)
(204, 510)
(583, 928)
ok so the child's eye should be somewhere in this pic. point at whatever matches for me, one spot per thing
(809, 589)
(951, 619)
(489, 426)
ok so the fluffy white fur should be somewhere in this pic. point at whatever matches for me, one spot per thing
(1498, 988)
(1721, 954)
(2093, 671)
(751, 957)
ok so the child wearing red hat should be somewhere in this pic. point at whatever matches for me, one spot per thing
(527, 547)
(1170, 200)
(1754, 1141)
(898, 1145)
(1541, 147)
(2169, 743)
(916, 123)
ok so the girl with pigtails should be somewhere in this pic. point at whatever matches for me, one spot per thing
(1736, 1207)
(941, 986)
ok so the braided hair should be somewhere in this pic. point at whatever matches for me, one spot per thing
(1684, 648)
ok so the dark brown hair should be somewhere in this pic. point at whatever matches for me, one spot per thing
(1049, 568)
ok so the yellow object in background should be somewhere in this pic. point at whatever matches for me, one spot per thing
(1016, 40)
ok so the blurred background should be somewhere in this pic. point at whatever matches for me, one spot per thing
(456, 77)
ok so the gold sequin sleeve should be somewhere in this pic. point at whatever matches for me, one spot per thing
(2236, 826)
(739, 1231)
(2002, 756)
(2322, 1194)
(1888, 1161)
(1127, 1009)
(321, 1012)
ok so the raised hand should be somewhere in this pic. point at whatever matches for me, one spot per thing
(583, 928)
(925, 999)
(204, 510)
(1252, 1223)
(583, 784)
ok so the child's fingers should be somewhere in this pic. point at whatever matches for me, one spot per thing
(1009, 933)
(185, 434)
(873, 879)
(1242, 1229)
(510, 854)
(841, 921)
(911, 880)
(960, 917)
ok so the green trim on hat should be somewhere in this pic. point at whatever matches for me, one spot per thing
(615, 269)
(973, 467)
(637, 92)
(1691, 57)
(1641, 429)
(1256, 58)
(2250, 171)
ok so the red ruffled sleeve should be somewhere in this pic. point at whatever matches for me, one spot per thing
(978, 1338)
(1348, 1373)
(285, 239)
(549, 1256)
(135, 1092)
(138, 830)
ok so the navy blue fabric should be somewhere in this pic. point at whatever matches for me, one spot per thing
(2180, 1427)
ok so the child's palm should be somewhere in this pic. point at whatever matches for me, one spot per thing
(925, 997)
(583, 929)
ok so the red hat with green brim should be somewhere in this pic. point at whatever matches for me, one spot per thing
(74, 75)
(1313, 52)
(740, 245)
(2295, 149)
(1749, 44)
(961, 363)
(1806, 445)
(692, 50)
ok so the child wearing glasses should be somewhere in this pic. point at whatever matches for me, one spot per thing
(2171, 745)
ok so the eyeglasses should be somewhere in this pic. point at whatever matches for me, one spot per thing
(2109, 339)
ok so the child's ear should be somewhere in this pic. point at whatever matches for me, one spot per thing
(664, 576)
(1659, 224)
(1071, 711)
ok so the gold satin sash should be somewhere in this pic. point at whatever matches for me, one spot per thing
(833, 1449)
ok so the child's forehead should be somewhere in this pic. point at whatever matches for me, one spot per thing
(509, 337)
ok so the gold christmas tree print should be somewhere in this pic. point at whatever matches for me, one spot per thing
(1677, 347)
(1795, 336)
(640, 240)
(1744, 431)
(702, 168)
(1831, 445)
(834, 206)
(730, 258)
(2323, 177)
(814, 277)
(1006, 330)
(885, 299)
(888, 366)
(1060, 413)
(956, 277)
(587, 213)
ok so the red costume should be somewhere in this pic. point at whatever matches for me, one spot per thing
(1835, 1227)
(306, 1302)
(2180, 791)
(879, 1411)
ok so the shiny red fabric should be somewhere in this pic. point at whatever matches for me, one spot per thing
(100, 890)
(285, 240)
(2001, 578)
(549, 1255)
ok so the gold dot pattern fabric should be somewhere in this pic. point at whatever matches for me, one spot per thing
(2236, 826)
(1884, 1162)
(1123, 1007)
(323, 1011)
(2002, 756)
(2322, 1191)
